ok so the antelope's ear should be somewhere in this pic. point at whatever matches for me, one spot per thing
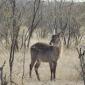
(53, 38)
(50, 43)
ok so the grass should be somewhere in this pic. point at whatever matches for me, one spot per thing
(66, 73)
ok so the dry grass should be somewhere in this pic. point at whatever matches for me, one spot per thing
(66, 74)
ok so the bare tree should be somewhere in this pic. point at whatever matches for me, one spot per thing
(34, 22)
(1, 73)
(14, 37)
(82, 60)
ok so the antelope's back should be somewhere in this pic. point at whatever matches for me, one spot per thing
(42, 51)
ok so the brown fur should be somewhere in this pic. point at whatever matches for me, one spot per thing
(41, 52)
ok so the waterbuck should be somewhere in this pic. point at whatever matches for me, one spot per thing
(41, 52)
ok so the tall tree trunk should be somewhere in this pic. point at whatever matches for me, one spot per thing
(11, 59)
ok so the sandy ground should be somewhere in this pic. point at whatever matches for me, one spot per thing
(66, 72)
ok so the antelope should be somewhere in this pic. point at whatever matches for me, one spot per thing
(41, 52)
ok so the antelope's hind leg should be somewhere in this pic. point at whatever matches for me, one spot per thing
(36, 69)
(31, 66)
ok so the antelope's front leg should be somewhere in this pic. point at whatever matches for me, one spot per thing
(51, 71)
(54, 70)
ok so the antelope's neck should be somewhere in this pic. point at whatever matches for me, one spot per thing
(60, 48)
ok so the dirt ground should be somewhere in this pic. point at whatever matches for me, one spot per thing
(67, 72)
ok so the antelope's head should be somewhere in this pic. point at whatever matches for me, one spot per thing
(56, 39)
